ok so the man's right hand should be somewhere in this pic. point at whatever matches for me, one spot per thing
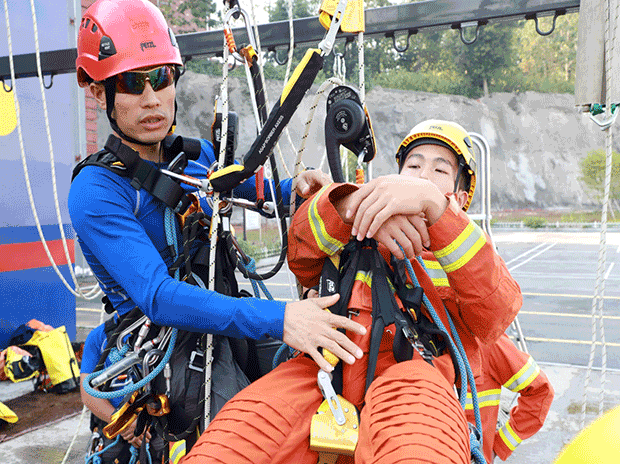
(307, 326)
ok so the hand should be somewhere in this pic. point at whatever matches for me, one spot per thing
(311, 181)
(307, 326)
(381, 198)
(129, 437)
(409, 231)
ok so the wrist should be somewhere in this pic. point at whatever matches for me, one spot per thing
(436, 205)
(342, 206)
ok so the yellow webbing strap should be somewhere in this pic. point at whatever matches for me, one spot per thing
(353, 20)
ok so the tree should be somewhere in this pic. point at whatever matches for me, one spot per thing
(491, 55)
(190, 15)
(593, 173)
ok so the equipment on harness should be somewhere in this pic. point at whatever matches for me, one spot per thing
(450, 135)
(414, 331)
(281, 113)
(347, 123)
(123, 35)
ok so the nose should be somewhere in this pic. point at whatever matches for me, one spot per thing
(149, 96)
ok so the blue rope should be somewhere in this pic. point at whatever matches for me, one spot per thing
(96, 457)
(465, 371)
(276, 357)
(470, 374)
(251, 266)
(135, 386)
(135, 452)
(172, 238)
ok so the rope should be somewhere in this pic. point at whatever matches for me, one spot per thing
(298, 164)
(77, 291)
(362, 81)
(598, 299)
(95, 457)
(251, 266)
(465, 372)
(134, 386)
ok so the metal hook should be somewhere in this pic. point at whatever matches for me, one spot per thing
(535, 18)
(410, 32)
(51, 81)
(228, 31)
(10, 89)
(462, 27)
(278, 60)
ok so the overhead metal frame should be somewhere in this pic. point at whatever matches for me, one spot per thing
(385, 21)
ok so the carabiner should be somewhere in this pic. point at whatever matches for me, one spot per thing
(230, 40)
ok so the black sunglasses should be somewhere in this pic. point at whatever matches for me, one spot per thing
(133, 82)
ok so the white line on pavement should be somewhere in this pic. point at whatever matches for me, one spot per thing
(532, 257)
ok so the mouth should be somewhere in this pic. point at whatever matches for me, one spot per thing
(152, 121)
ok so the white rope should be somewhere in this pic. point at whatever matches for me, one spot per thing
(598, 299)
(362, 85)
(298, 164)
(291, 44)
(84, 409)
(215, 222)
(77, 291)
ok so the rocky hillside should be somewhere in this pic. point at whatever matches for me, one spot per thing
(536, 140)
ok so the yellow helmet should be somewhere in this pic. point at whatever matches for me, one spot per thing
(450, 135)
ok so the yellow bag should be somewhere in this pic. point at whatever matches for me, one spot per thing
(59, 358)
(6, 414)
(353, 20)
(20, 365)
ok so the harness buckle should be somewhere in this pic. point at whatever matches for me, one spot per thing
(192, 359)
(327, 389)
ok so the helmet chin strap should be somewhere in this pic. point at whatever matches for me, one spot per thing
(110, 95)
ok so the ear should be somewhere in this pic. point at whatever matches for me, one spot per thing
(98, 91)
(461, 197)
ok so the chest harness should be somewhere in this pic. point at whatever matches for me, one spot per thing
(336, 433)
(172, 401)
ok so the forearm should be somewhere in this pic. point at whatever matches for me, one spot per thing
(101, 408)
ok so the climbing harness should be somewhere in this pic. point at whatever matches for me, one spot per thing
(334, 426)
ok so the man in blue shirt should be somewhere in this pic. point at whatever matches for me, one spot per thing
(129, 60)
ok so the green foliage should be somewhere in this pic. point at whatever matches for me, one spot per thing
(534, 222)
(593, 172)
(506, 57)
(190, 15)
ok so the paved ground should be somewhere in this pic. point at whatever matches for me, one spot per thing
(556, 272)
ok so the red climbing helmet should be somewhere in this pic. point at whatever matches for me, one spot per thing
(120, 35)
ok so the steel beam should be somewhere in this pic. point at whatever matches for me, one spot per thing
(385, 21)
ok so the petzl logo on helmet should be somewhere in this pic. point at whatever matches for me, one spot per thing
(144, 45)
(439, 128)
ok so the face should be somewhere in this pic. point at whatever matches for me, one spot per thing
(145, 116)
(436, 164)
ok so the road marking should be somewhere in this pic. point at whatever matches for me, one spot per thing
(532, 257)
(525, 253)
(569, 341)
(543, 313)
(569, 295)
(608, 271)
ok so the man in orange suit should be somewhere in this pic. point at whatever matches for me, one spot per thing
(504, 365)
(410, 412)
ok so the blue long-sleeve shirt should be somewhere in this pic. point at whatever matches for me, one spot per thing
(122, 236)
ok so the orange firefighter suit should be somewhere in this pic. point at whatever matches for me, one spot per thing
(504, 365)
(410, 412)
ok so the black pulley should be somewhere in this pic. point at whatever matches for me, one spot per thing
(347, 123)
